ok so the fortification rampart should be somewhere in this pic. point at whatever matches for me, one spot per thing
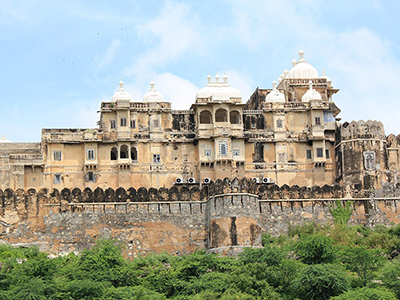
(221, 216)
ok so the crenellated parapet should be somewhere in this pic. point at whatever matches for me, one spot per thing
(177, 193)
(361, 129)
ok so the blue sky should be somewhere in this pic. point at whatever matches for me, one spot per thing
(60, 59)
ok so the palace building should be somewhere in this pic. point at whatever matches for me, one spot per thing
(290, 134)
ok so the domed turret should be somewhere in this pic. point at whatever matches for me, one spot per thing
(302, 69)
(311, 94)
(275, 95)
(4, 140)
(121, 94)
(324, 76)
(153, 95)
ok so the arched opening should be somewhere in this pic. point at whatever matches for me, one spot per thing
(234, 117)
(114, 153)
(221, 115)
(124, 152)
(134, 154)
(205, 117)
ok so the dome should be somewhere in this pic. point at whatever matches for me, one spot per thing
(324, 76)
(153, 95)
(275, 95)
(302, 69)
(121, 94)
(4, 140)
(218, 90)
(311, 94)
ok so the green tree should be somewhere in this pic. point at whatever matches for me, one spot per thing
(315, 249)
(341, 213)
(366, 293)
(320, 282)
(390, 276)
(362, 261)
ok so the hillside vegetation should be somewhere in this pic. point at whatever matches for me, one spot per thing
(309, 262)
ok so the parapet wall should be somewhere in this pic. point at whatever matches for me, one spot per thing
(219, 217)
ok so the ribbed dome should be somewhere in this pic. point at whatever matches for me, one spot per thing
(302, 69)
(275, 95)
(121, 94)
(311, 94)
(153, 95)
(218, 90)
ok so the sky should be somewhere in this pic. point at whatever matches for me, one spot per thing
(60, 59)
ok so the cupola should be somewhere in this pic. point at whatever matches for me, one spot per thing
(311, 94)
(275, 95)
(302, 69)
(121, 94)
(218, 90)
(153, 95)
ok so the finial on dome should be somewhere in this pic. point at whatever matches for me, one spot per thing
(225, 78)
(286, 72)
(301, 54)
(152, 84)
(121, 85)
(294, 62)
(216, 77)
(209, 78)
(274, 85)
(310, 85)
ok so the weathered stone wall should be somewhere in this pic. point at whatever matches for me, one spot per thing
(219, 216)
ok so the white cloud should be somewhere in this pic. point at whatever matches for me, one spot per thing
(181, 92)
(169, 36)
(107, 57)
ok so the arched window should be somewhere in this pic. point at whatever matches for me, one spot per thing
(124, 152)
(234, 117)
(114, 153)
(205, 117)
(221, 115)
(369, 158)
(134, 154)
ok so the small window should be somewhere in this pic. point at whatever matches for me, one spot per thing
(156, 123)
(57, 155)
(112, 124)
(57, 178)
(123, 121)
(236, 152)
(134, 154)
(207, 152)
(327, 154)
(90, 154)
(369, 160)
(279, 123)
(320, 152)
(308, 154)
(281, 157)
(223, 148)
(317, 121)
(133, 123)
(156, 158)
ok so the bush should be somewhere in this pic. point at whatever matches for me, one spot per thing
(320, 282)
(315, 249)
(366, 293)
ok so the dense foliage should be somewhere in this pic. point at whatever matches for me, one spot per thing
(310, 262)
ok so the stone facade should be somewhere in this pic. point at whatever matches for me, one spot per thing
(286, 135)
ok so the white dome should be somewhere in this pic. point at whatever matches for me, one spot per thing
(324, 76)
(311, 94)
(121, 94)
(4, 140)
(153, 95)
(275, 95)
(218, 90)
(302, 69)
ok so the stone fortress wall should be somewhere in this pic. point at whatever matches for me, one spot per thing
(223, 216)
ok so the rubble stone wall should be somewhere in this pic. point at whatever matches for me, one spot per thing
(222, 215)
